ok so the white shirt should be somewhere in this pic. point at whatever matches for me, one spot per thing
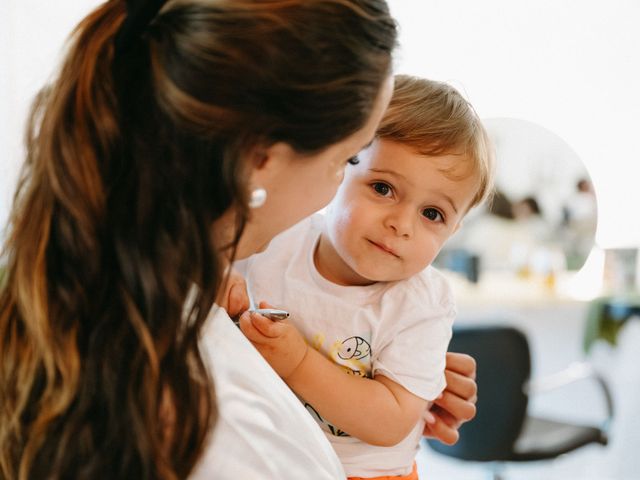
(397, 329)
(262, 432)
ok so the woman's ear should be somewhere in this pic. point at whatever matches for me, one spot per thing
(268, 163)
(258, 157)
(274, 155)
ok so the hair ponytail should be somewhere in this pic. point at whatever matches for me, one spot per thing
(87, 320)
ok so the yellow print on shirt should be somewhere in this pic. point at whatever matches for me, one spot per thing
(350, 355)
(317, 341)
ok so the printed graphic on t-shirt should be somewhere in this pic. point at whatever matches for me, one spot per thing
(354, 347)
(353, 355)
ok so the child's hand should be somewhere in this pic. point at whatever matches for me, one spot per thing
(234, 298)
(279, 342)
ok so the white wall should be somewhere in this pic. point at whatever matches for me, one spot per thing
(32, 33)
(571, 66)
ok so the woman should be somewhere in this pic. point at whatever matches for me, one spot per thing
(171, 142)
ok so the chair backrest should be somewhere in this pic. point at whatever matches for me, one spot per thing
(504, 365)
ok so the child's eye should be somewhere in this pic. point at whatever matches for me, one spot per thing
(433, 215)
(353, 160)
(381, 188)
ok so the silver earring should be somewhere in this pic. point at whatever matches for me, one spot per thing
(258, 197)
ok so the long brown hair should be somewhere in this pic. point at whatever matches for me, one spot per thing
(130, 160)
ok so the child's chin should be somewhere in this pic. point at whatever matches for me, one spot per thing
(377, 276)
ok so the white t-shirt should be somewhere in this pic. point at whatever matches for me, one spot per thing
(398, 329)
(263, 432)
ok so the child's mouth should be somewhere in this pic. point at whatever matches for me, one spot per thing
(384, 248)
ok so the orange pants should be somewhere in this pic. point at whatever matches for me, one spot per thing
(412, 476)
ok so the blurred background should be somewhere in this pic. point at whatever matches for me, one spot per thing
(555, 255)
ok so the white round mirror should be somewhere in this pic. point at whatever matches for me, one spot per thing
(543, 216)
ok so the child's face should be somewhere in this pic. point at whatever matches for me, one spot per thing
(393, 212)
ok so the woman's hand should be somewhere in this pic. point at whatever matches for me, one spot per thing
(457, 404)
(279, 342)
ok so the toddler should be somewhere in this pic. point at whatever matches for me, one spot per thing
(364, 347)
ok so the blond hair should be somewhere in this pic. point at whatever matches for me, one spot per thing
(433, 118)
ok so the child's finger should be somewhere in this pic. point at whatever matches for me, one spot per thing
(264, 304)
(249, 330)
(266, 326)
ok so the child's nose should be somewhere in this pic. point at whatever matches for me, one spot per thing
(400, 220)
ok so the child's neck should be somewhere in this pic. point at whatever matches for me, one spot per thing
(333, 268)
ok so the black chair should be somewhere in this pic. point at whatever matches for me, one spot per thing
(502, 431)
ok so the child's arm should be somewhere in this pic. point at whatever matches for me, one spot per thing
(377, 411)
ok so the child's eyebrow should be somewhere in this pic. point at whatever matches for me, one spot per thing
(450, 200)
(390, 172)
